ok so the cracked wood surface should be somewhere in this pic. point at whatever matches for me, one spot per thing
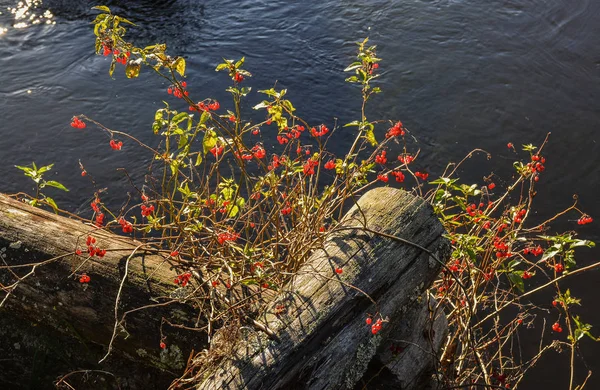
(324, 342)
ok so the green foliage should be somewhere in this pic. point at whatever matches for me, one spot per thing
(37, 175)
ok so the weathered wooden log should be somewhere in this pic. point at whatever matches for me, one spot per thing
(323, 339)
(50, 314)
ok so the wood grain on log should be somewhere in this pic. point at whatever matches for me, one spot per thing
(53, 302)
(324, 342)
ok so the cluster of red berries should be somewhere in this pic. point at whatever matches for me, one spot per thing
(256, 266)
(383, 177)
(527, 275)
(177, 91)
(455, 266)
(238, 78)
(329, 165)
(501, 248)
(556, 327)
(395, 131)
(293, 133)
(92, 249)
(398, 175)
(373, 67)
(201, 106)
(536, 166)
(77, 123)
(309, 166)
(519, 216)
(381, 158)
(559, 268)
(183, 279)
(84, 279)
(422, 175)
(227, 236)
(474, 210)
(125, 225)
(287, 209)
(258, 151)
(319, 133)
(534, 251)
(584, 220)
(116, 145)
(147, 210)
(99, 219)
(217, 150)
(121, 58)
(275, 163)
(376, 327)
(406, 158)
(94, 205)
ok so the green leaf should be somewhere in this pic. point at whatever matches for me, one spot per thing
(240, 62)
(44, 169)
(122, 19)
(550, 253)
(180, 66)
(52, 203)
(263, 104)
(113, 65)
(102, 8)
(28, 171)
(177, 119)
(222, 66)
(233, 211)
(56, 184)
(132, 70)
(209, 141)
(370, 136)
(198, 159)
(353, 66)
(517, 281)
(204, 117)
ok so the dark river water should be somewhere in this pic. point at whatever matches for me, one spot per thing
(460, 74)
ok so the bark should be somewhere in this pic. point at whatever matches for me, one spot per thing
(323, 340)
(51, 315)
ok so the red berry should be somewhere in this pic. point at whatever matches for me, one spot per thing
(556, 327)
(162, 345)
(368, 320)
(491, 186)
(339, 271)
